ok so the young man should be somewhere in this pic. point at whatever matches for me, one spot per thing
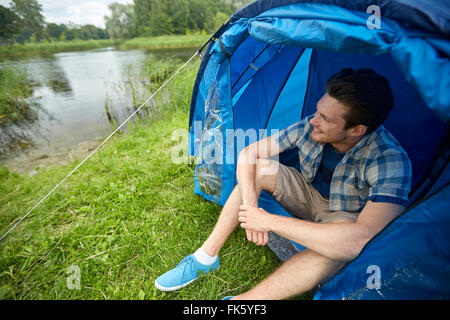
(354, 178)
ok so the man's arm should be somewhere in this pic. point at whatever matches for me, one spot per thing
(337, 240)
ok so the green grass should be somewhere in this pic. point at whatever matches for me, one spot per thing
(159, 42)
(15, 88)
(51, 47)
(165, 42)
(125, 217)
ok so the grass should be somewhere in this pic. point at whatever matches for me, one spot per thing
(166, 42)
(154, 43)
(125, 217)
(17, 108)
(14, 87)
(51, 47)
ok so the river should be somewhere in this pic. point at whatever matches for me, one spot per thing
(72, 90)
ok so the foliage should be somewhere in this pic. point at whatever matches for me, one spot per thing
(17, 109)
(54, 31)
(23, 22)
(158, 17)
(86, 32)
(14, 87)
(31, 19)
(8, 24)
(121, 23)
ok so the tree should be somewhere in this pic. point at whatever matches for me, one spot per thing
(121, 23)
(54, 31)
(142, 10)
(156, 17)
(90, 31)
(31, 19)
(9, 24)
(220, 19)
(68, 35)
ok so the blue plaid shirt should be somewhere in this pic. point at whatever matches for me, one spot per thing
(376, 166)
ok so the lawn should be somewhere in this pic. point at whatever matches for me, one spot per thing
(126, 216)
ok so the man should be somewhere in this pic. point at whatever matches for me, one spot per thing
(354, 179)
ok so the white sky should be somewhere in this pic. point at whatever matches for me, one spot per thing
(76, 11)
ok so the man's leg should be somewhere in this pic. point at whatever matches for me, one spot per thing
(228, 219)
(227, 222)
(301, 273)
(206, 258)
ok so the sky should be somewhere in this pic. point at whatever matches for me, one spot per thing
(76, 11)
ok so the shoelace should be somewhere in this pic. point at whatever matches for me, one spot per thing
(188, 260)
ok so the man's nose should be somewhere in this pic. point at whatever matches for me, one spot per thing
(313, 120)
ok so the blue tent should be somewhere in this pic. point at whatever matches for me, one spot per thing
(266, 68)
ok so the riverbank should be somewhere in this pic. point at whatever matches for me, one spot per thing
(125, 217)
(151, 43)
(23, 50)
(165, 42)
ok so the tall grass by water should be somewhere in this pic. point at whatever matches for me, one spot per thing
(125, 217)
(17, 110)
(166, 42)
(45, 47)
(150, 43)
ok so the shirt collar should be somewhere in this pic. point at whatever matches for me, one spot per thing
(361, 144)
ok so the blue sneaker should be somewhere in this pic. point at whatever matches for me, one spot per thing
(184, 273)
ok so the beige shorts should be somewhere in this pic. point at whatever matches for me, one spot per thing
(302, 200)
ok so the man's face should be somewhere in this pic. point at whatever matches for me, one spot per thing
(328, 121)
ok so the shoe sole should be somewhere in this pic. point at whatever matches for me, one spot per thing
(166, 289)
(173, 288)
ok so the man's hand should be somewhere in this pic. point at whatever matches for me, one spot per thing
(260, 238)
(252, 220)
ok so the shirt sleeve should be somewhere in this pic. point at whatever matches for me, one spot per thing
(292, 136)
(399, 201)
(389, 177)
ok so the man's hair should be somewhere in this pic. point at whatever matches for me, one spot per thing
(367, 95)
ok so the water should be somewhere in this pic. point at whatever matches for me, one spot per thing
(72, 89)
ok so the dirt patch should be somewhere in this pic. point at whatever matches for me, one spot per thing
(31, 165)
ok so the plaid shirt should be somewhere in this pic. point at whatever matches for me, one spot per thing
(376, 166)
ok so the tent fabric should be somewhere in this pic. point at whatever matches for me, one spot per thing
(428, 16)
(267, 69)
(334, 28)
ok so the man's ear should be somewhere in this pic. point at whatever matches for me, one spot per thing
(358, 130)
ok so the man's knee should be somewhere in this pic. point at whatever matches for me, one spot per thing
(313, 259)
(266, 174)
